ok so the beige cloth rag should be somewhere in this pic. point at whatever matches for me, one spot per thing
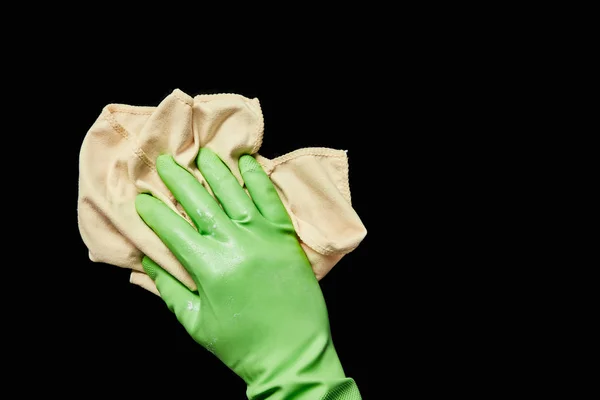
(117, 162)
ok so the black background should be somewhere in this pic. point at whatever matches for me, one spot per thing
(127, 336)
(428, 118)
(401, 305)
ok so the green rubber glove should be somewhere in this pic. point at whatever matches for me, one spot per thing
(259, 307)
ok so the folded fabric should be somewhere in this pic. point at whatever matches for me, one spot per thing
(117, 162)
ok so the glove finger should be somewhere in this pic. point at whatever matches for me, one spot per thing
(200, 206)
(236, 203)
(175, 232)
(184, 303)
(263, 191)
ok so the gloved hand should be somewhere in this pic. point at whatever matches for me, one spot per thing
(259, 307)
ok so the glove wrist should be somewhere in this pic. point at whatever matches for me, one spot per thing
(309, 372)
